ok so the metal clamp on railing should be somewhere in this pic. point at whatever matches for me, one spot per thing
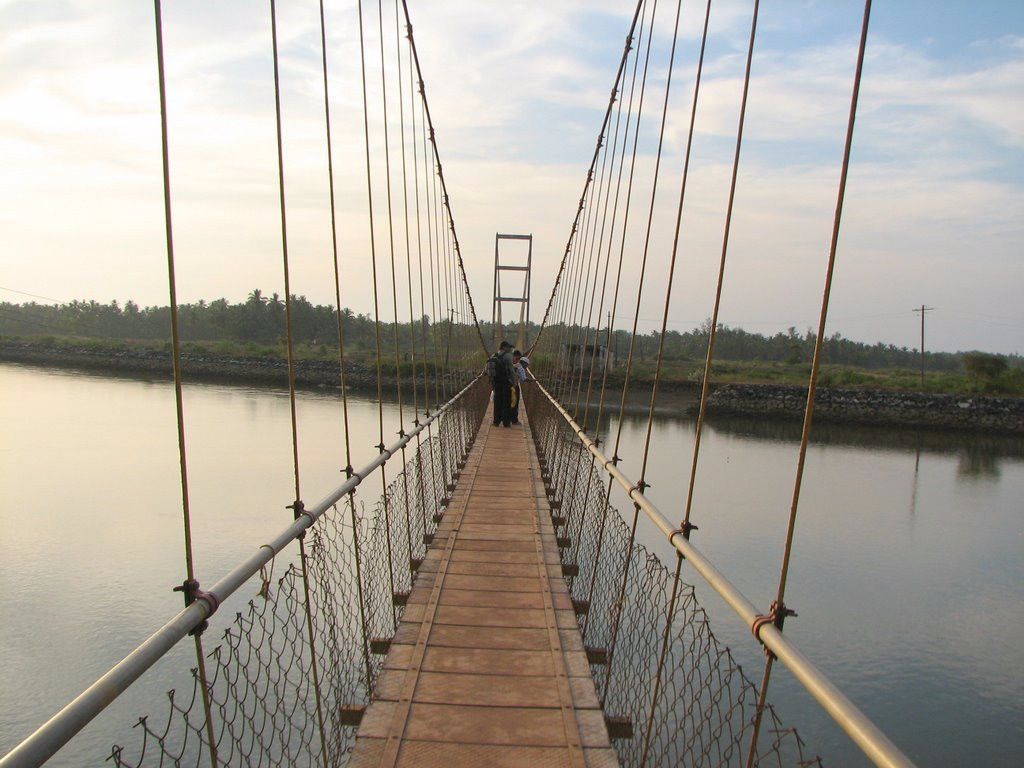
(300, 511)
(777, 616)
(683, 530)
(191, 592)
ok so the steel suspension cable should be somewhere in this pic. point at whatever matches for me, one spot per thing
(376, 312)
(599, 218)
(641, 7)
(414, 379)
(390, 209)
(778, 610)
(405, 208)
(297, 506)
(597, 213)
(437, 295)
(444, 293)
(622, 249)
(632, 346)
(451, 299)
(686, 526)
(713, 330)
(419, 246)
(431, 206)
(369, 198)
(641, 482)
(357, 558)
(394, 280)
(577, 540)
(593, 163)
(670, 614)
(573, 352)
(434, 220)
(440, 174)
(190, 585)
(611, 237)
(572, 307)
(444, 290)
(419, 256)
(629, 187)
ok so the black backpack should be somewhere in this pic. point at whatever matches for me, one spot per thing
(493, 363)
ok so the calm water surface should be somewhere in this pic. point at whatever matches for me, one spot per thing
(908, 570)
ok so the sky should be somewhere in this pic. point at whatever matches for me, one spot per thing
(933, 215)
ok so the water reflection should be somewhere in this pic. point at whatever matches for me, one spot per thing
(979, 454)
(976, 464)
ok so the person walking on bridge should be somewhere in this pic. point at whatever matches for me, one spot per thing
(517, 389)
(500, 369)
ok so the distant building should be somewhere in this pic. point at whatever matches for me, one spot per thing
(585, 356)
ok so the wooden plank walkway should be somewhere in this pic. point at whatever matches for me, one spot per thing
(487, 666)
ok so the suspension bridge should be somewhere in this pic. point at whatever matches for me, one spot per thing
(475, 595)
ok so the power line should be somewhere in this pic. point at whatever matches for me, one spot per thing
(33, 295)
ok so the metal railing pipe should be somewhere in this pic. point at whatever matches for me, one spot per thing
(875, 744)
(62, 727)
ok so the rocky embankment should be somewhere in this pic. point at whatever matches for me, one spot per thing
(858, 406)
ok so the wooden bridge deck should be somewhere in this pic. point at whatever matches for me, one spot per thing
(488, 666)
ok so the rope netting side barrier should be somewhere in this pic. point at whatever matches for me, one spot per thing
(260, 674)
(682, 698)
(705, 711)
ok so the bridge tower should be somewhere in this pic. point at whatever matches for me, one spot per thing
(511, 260)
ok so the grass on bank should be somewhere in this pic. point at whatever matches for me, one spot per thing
(674, 372)
(1010, 382)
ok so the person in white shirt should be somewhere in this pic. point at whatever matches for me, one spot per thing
(519, 364)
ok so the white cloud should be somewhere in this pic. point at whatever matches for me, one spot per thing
(517, 92)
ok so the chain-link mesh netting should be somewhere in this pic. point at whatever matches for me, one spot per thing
(266, 709)
(687, 700)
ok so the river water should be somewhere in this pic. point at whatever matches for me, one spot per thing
(907, 573)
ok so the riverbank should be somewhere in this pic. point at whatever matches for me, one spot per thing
(876, 407)
(269, 371)
(783, 402)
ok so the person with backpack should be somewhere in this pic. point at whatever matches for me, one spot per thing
(499, 369)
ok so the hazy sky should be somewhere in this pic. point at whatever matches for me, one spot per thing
(934, 212)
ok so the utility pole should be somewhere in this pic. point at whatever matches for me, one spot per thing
(923, 309)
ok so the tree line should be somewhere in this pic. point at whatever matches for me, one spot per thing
(790, 347)
(260, 319)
